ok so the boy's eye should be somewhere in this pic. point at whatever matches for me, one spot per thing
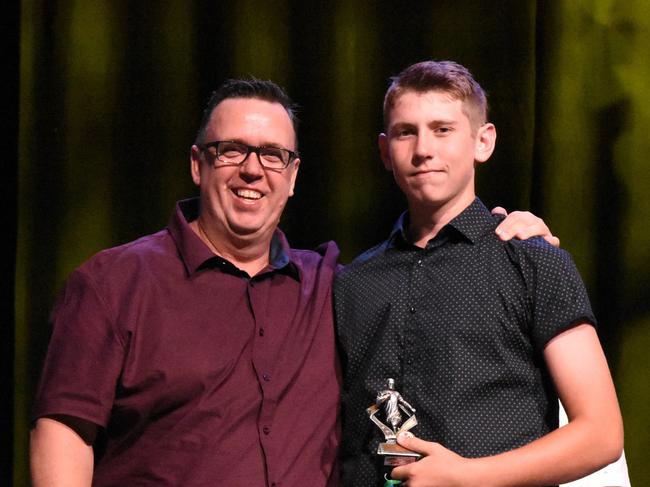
(403, 132)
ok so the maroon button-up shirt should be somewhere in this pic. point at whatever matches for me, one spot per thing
(198, 374)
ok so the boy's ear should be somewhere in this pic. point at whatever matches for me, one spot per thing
(486, 138)
(382, 141)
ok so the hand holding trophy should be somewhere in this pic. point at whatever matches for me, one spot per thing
(394, 406)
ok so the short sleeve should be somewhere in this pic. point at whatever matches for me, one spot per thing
(557, 294)
(84, 356)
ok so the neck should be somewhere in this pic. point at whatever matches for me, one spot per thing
(426, 222)
(251, 256)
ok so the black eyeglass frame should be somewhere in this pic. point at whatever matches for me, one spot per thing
(250, 148)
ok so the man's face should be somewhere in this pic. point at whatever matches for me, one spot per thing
(244, 202)
(431, 149)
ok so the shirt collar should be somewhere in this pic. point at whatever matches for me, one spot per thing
(473, 222)
(196, 255)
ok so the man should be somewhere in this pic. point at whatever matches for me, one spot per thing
(482, 335)
(203, 354)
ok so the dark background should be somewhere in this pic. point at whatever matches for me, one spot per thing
(102, 100)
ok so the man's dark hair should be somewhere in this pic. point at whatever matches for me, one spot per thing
(249, 88)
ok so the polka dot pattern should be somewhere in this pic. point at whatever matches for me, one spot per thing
(461, 326)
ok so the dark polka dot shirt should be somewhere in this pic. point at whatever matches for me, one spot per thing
(461, 326)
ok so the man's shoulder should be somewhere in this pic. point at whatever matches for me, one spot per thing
(150, 249)
(326, 254)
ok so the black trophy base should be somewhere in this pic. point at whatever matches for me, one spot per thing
(395, 455)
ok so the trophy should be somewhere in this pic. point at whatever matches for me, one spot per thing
(393, 406)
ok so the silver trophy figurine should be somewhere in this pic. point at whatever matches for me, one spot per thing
(394, 406)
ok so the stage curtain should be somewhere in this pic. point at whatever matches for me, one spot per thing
(111, 95)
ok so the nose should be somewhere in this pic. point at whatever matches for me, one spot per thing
(424, 149)
(251, 168)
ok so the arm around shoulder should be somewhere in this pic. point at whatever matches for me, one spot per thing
(523, 225)
(59, 456)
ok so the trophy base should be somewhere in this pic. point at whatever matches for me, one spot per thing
(396, 455)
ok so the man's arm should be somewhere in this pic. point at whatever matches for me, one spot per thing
(59, 456)
(593, 438)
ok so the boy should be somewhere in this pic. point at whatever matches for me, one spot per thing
(481, 335)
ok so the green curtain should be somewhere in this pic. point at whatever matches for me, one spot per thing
(111, 95)
(593, 116)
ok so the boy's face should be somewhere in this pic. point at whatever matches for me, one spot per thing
(431, 148)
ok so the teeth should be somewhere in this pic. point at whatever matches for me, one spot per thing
(249, 194)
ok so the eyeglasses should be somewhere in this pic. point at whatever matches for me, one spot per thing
(228, 152)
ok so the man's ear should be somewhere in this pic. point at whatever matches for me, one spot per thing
(294, 175)
(195, 164)
(382, 141)
(486, 138)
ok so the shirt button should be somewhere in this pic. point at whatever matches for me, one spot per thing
(411, 310)
(266, 377)
(266, 430)
(261, 332)
(420, 263)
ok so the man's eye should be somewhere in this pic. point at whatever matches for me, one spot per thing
(271, 154)
(443, 130)
(232, 150)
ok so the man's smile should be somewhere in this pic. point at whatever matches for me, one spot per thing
(247, 194)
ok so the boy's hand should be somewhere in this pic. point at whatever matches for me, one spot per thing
(438, 467)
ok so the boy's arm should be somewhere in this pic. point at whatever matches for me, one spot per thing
(593, 438)
(59, 456)
(613, 475)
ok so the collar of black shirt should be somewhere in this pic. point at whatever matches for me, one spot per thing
(473, 222)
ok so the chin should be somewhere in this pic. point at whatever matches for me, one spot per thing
(244, 228)
(431, 199)
(244, 231)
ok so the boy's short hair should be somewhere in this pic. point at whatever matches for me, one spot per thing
(444, 76)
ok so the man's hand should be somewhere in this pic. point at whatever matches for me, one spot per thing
(523, 225)
(438, 467)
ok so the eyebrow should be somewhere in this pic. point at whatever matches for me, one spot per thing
(274, 145)
(401, 125)
(438, 123)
